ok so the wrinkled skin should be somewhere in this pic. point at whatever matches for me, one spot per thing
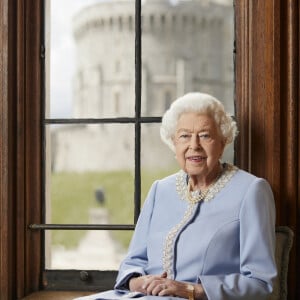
(160, 285)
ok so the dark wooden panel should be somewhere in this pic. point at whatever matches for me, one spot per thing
(7, 145)
(32, 108)
(20, 148)
(267, 101)
(75, 280)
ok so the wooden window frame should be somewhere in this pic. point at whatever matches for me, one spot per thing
(267, 106)
(267, 110)
(20, 159)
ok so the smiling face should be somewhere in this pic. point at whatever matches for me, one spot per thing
(198, 146)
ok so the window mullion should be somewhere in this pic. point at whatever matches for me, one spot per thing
(81, 226)
(138, 52)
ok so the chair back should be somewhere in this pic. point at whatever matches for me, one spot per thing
(284, 242)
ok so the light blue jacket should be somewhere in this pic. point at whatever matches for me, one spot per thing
(228, 244)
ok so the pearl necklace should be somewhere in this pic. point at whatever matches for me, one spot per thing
(195, 196)
(198, 195)
(184, 190)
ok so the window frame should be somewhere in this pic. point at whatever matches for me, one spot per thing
(88, 279)
(20, 158)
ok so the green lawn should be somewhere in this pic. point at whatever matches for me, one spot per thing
(73, 194)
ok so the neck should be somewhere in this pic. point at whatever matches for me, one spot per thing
(202, 183)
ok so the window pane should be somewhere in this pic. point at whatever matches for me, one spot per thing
(87, 250)
(91, 65)
(187, 46)
(157, 160)
(91, 166)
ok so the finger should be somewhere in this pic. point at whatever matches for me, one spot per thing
(149, 279)
(165, 291)
(158, 289)
(155, 287)
(164, 275)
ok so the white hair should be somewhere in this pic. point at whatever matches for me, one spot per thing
(198, 103)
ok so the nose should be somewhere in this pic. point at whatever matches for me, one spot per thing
(195, 142)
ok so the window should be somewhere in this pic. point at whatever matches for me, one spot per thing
(101, 135)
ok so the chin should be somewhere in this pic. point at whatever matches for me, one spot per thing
(194, 172)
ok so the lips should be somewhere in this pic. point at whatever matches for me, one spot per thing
(196, 158)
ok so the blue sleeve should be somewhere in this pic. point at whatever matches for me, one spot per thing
(136, 259)
(257, 250)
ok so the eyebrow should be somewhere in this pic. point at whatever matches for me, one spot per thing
(183, 129)
(188, 130)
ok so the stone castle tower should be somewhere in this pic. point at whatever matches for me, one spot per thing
(186, 46)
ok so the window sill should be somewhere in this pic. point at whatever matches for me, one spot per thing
(57, 295)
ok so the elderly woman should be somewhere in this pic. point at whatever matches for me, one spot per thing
(206, 232)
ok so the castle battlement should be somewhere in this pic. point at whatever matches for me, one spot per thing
(157, 15)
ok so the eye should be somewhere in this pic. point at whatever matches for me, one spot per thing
(205, 136)
(184, 137)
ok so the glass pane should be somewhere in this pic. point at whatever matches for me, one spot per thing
(157, 160)
(90, 68)
(187, 46)
(91, 166)
(87, 250)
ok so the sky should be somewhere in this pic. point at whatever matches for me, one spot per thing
(62, 58)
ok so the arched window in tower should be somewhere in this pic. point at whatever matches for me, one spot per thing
(117, 103)
(168, 100)
(151, 21)
(120, 20)
(184, 20)
(163, 20)
(193, 20)
(130, 23)
(173, 21)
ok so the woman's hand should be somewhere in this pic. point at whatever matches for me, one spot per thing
(140, 284)
(160, 285)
